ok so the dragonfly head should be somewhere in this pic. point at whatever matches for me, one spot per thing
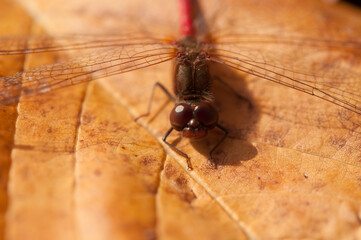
(194, 119)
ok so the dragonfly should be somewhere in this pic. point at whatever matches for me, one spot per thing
(194, 113)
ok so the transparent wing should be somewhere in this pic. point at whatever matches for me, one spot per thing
(320, 67)
(114, 59)
(13, 45)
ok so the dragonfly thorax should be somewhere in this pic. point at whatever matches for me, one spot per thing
(194, 113)
(192, 78)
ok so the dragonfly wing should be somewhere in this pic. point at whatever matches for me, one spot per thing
(14, 45)
(98, 64)
(317, 67)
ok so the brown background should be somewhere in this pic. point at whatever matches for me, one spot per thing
(76, 166)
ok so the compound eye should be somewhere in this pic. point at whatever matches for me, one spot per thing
(206, 114)
(181, 114)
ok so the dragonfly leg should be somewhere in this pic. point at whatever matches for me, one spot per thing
(163, 88)
(176, 149)
(235, 92)
(218, 143)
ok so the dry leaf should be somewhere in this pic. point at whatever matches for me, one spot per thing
(82, 169)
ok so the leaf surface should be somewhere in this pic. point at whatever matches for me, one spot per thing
(289, 169)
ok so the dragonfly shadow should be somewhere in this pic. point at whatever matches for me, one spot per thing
(199, 20)
(230, 152)
(237, 110)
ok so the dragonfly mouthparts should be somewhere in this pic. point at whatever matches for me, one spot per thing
(195, 133)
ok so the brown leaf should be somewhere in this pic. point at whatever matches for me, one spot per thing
(82, 169)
